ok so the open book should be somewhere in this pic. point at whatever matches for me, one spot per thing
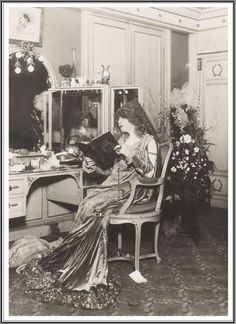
(101, 150)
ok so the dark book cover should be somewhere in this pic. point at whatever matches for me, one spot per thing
(101, 150)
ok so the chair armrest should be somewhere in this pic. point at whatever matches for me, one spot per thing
(150, 182)
(144, 182)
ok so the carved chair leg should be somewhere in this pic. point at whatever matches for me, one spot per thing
(156, 242)
(138, 228)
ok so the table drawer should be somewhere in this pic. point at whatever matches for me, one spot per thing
(17, 207)
(16, 186)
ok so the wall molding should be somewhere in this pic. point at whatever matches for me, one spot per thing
(183, 19)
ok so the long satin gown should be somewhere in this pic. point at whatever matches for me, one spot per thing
(82, 257)
(80, 262)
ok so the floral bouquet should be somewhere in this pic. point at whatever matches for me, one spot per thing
(189, 165)
(188, 170)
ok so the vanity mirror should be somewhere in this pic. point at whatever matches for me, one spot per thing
(120, 95)
(29, 75)
(74, 114)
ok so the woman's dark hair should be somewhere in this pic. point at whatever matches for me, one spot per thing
(26, 17)
(135, 114)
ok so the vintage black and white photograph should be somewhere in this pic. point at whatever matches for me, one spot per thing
(118, 173)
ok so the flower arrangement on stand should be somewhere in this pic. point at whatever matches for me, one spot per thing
(188, 183)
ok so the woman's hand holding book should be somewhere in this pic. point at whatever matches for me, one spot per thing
(89, 165)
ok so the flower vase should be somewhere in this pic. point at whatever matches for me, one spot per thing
(74, 72)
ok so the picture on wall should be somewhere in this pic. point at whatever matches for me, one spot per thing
(25, 24)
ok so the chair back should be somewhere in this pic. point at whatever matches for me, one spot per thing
(164, 150)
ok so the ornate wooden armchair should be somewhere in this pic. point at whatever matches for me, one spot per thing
(141, 213)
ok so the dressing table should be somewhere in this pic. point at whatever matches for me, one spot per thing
(58, 186)
(21, 182)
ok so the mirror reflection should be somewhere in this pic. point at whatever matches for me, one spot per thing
(25, 103)
(76, 117)
(122, 96)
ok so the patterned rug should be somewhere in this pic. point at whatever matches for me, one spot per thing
(190, 280)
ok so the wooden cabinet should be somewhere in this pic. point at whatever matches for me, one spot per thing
(214, 96)
(105, 41)
(147, 66)
(17, 203)
(16, 206)
(40, 199)
(16, 186)
(137, 54)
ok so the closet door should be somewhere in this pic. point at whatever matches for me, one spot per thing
(105, 42)
(147, 66)
(215, 118)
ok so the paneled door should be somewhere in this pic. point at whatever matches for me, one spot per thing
(106, 43)
(214, 97)
(147, 62)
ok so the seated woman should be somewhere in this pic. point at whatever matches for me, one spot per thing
(81, 260)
